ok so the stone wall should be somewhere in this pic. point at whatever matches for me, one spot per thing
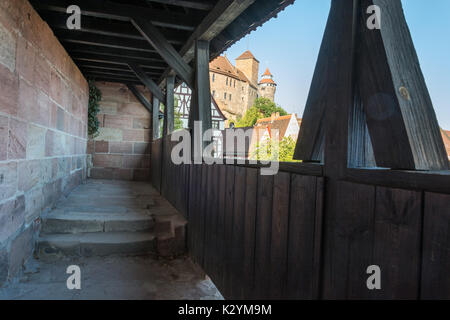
(43, 131)
(121, 151)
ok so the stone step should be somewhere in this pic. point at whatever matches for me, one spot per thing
(96, 244)
(88, 222)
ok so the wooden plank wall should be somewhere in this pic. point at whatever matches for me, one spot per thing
(155, 165)
(272, 237)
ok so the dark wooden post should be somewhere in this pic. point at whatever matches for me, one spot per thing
(201, 96)
(169, 109)
(155, 118)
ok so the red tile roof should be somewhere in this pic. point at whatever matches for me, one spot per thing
(279, 123)
(267, 81)
(222, 65)
(267, 73)
(246, 55)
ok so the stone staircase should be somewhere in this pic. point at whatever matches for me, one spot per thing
(104, 217)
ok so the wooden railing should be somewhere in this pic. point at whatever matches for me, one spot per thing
(287, 236)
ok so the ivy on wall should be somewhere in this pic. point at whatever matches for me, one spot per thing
(95, 96)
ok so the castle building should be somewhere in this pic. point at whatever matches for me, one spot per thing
(235, 88)
(267, 86)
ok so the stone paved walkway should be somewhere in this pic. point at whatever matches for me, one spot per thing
(113, 277)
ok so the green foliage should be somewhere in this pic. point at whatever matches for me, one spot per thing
(95, 96)
(262, 108)
(282, 152)
(178, 123)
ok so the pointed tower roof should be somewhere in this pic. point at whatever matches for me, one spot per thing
(246, 55)
(267, 72)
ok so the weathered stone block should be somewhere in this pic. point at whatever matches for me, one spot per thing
(133, 135)
(135, 161)
(60, 119)
(56, 87)
(109, 134)
(108, 107)
(54, 143)
(90, 146)
(121, 147)
(64, 164)
(10, 91)
(119, 122)
(46, 170)
(12, 216)
(36, 142)
(33, 204)
(102, 173)
(141, 148)
(108, 160)
(25, 59)
(21, 250)
(7, 48)
(42, 74)
(28, 108)
(134, 109)
(101, 146)
(17, 145)
(8, 180)
(29, 173)
(43, 102)
(51, 193)
(4, 135)
(53, 114)
(141, 123)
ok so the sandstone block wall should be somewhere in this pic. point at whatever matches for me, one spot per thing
(121, 151)
(43, 129)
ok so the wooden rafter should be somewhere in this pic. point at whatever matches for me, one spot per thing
(199, 5)
(147, 81)
(223, 13)
(140, 97)
(164, 48)
(122, 12)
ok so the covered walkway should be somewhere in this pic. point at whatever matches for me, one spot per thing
(122, 236)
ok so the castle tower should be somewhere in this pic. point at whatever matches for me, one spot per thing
(248, 64)
(267, 87)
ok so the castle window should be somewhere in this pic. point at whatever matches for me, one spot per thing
(235, 83)
(214, 93)
(230, 96)
(213, 77)
(227, 80)
(224, 95)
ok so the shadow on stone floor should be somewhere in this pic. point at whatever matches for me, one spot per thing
(113, 277)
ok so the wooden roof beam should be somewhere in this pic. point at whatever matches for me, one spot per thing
(199, 5)
(222, 15)
(165, 49)
(124, 53)
(115, 11)
(147, 81)
(103, 41)
(113, 28)
(140, 97)
(95, 57)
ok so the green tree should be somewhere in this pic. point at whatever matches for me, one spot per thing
(282, 152)
(262, 108)
(95, 96)
(178, 123)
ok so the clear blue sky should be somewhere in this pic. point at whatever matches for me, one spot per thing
(289, 46)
